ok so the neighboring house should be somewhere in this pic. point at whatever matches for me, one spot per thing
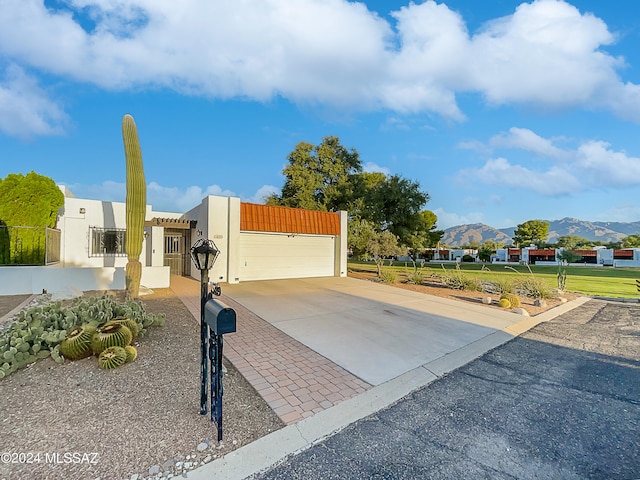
(256, 242)
(600, 256)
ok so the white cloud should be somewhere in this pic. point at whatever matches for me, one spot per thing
(373, 167)
(450, 219)
(165, 199)
(590, 165)
(25, 108)
(261, 195)
(498, 171)
(525, 139)
(329, 52)
(606, 167)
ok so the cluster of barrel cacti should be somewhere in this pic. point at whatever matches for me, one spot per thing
(509, 300)
(111, 342)
(40, 331)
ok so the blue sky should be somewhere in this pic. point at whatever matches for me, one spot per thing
(504, 111)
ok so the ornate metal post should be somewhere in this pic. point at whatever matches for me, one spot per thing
(204, 254)
(204, 296)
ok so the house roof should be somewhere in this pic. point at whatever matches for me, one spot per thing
(267, 218)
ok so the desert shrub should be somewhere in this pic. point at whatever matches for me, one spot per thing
(388, 276)
(415, 277)
(534, 288)
(459, 280)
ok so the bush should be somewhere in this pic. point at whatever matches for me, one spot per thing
(468, 258)
(388, 276)
(534, 288)
(415, 278)
(458, 280)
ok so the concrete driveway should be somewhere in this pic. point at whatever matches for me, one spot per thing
(377, 332)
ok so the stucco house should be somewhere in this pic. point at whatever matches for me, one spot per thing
(256, 242)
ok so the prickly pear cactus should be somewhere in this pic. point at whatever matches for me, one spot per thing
(136, 202)
(113, 335)
(112, 357)
(77, 345)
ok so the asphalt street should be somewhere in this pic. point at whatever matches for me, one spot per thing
(562, 401)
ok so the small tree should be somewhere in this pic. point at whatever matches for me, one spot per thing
(381, 246)
(531, 232)
(568, 256)
(632, 241)
(359, 234)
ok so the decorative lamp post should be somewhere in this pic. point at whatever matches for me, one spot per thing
(204, 254)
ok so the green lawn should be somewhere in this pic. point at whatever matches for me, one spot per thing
(595, 281)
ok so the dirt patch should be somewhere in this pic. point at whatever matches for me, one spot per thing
(141, 416)
(439, 290)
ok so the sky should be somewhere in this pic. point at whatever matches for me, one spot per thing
(503, 111)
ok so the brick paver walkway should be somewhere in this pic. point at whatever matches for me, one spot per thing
(294, 380)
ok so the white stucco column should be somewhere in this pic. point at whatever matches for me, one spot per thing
(340, 268)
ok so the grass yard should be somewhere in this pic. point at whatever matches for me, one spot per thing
(595, 281)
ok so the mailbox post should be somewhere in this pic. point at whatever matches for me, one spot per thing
(204, 254)
(220, 319)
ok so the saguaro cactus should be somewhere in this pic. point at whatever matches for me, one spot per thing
(136, 205)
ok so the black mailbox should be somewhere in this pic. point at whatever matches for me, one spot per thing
(220, 318)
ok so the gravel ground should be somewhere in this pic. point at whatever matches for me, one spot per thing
(142, 418)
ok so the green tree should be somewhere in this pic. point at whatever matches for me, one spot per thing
(568, 256)
(487, 248)
(383, 245)
(319, 177)
(396, 205)
(359, 234)
(30, 201)
(27, 201)
(531, 232)
(571, 242)
(632, 241)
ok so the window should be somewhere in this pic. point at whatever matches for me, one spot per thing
(107, 241)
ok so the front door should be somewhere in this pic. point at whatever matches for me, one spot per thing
(175, 251)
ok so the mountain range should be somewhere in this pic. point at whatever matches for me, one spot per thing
(595, 231)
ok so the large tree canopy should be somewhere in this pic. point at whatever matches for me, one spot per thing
(531, 232)
(329, 177)
(318, 177)
(32, 200)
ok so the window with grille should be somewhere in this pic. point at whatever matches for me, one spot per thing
(107, 242)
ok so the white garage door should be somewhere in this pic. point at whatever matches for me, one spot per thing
(272, 256)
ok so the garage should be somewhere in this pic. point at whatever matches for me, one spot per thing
(265, 256)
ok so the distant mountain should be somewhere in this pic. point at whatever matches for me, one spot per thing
(475, 233)
(595, 231)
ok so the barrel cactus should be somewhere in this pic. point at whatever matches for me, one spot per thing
(112, 357)
(129, 323)
(112, 335)
(513, 299)
(504, 303)
(77, 345)
(136, 201)
(132, 353)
